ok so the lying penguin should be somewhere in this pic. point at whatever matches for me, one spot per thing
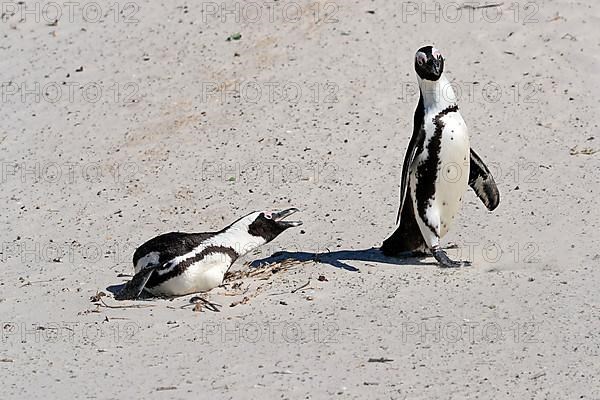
(177, 263)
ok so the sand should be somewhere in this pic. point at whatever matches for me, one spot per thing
(127, 120)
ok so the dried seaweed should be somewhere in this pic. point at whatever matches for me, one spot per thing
(587, 151)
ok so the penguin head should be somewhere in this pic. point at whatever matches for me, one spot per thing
(429, 63)
(269, 224)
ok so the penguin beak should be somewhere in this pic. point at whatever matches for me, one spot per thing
(278, 217)
(435, 68)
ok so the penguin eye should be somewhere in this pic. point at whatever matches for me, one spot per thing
(267, 215)
(421, 58)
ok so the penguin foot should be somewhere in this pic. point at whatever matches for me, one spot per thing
(445, 261)
(419, 254)
(207, 303)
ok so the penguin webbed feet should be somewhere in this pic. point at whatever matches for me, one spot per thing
(198, 301)
(445, 261)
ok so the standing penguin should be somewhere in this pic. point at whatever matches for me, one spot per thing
(438, 166)
(177, 263)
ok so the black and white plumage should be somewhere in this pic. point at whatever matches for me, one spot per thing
(177, 263)
(438, 166)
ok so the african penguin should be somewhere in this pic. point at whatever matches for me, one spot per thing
(177, 263)
(438, 166)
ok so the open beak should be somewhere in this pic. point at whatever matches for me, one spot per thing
(278, 216)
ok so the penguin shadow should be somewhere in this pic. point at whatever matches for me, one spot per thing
(336, 259)
(339, 258)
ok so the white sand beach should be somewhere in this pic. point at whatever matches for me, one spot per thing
(124, 120)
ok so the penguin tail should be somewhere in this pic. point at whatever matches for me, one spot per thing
(399, 243)
(407, 237)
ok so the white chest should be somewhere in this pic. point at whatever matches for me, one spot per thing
(454, 148)
(200, 276)
(452, 167)
(453, 172)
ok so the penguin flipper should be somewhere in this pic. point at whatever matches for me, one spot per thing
(416, 140)
(482, 182)
(135, 286)
(407, 237)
